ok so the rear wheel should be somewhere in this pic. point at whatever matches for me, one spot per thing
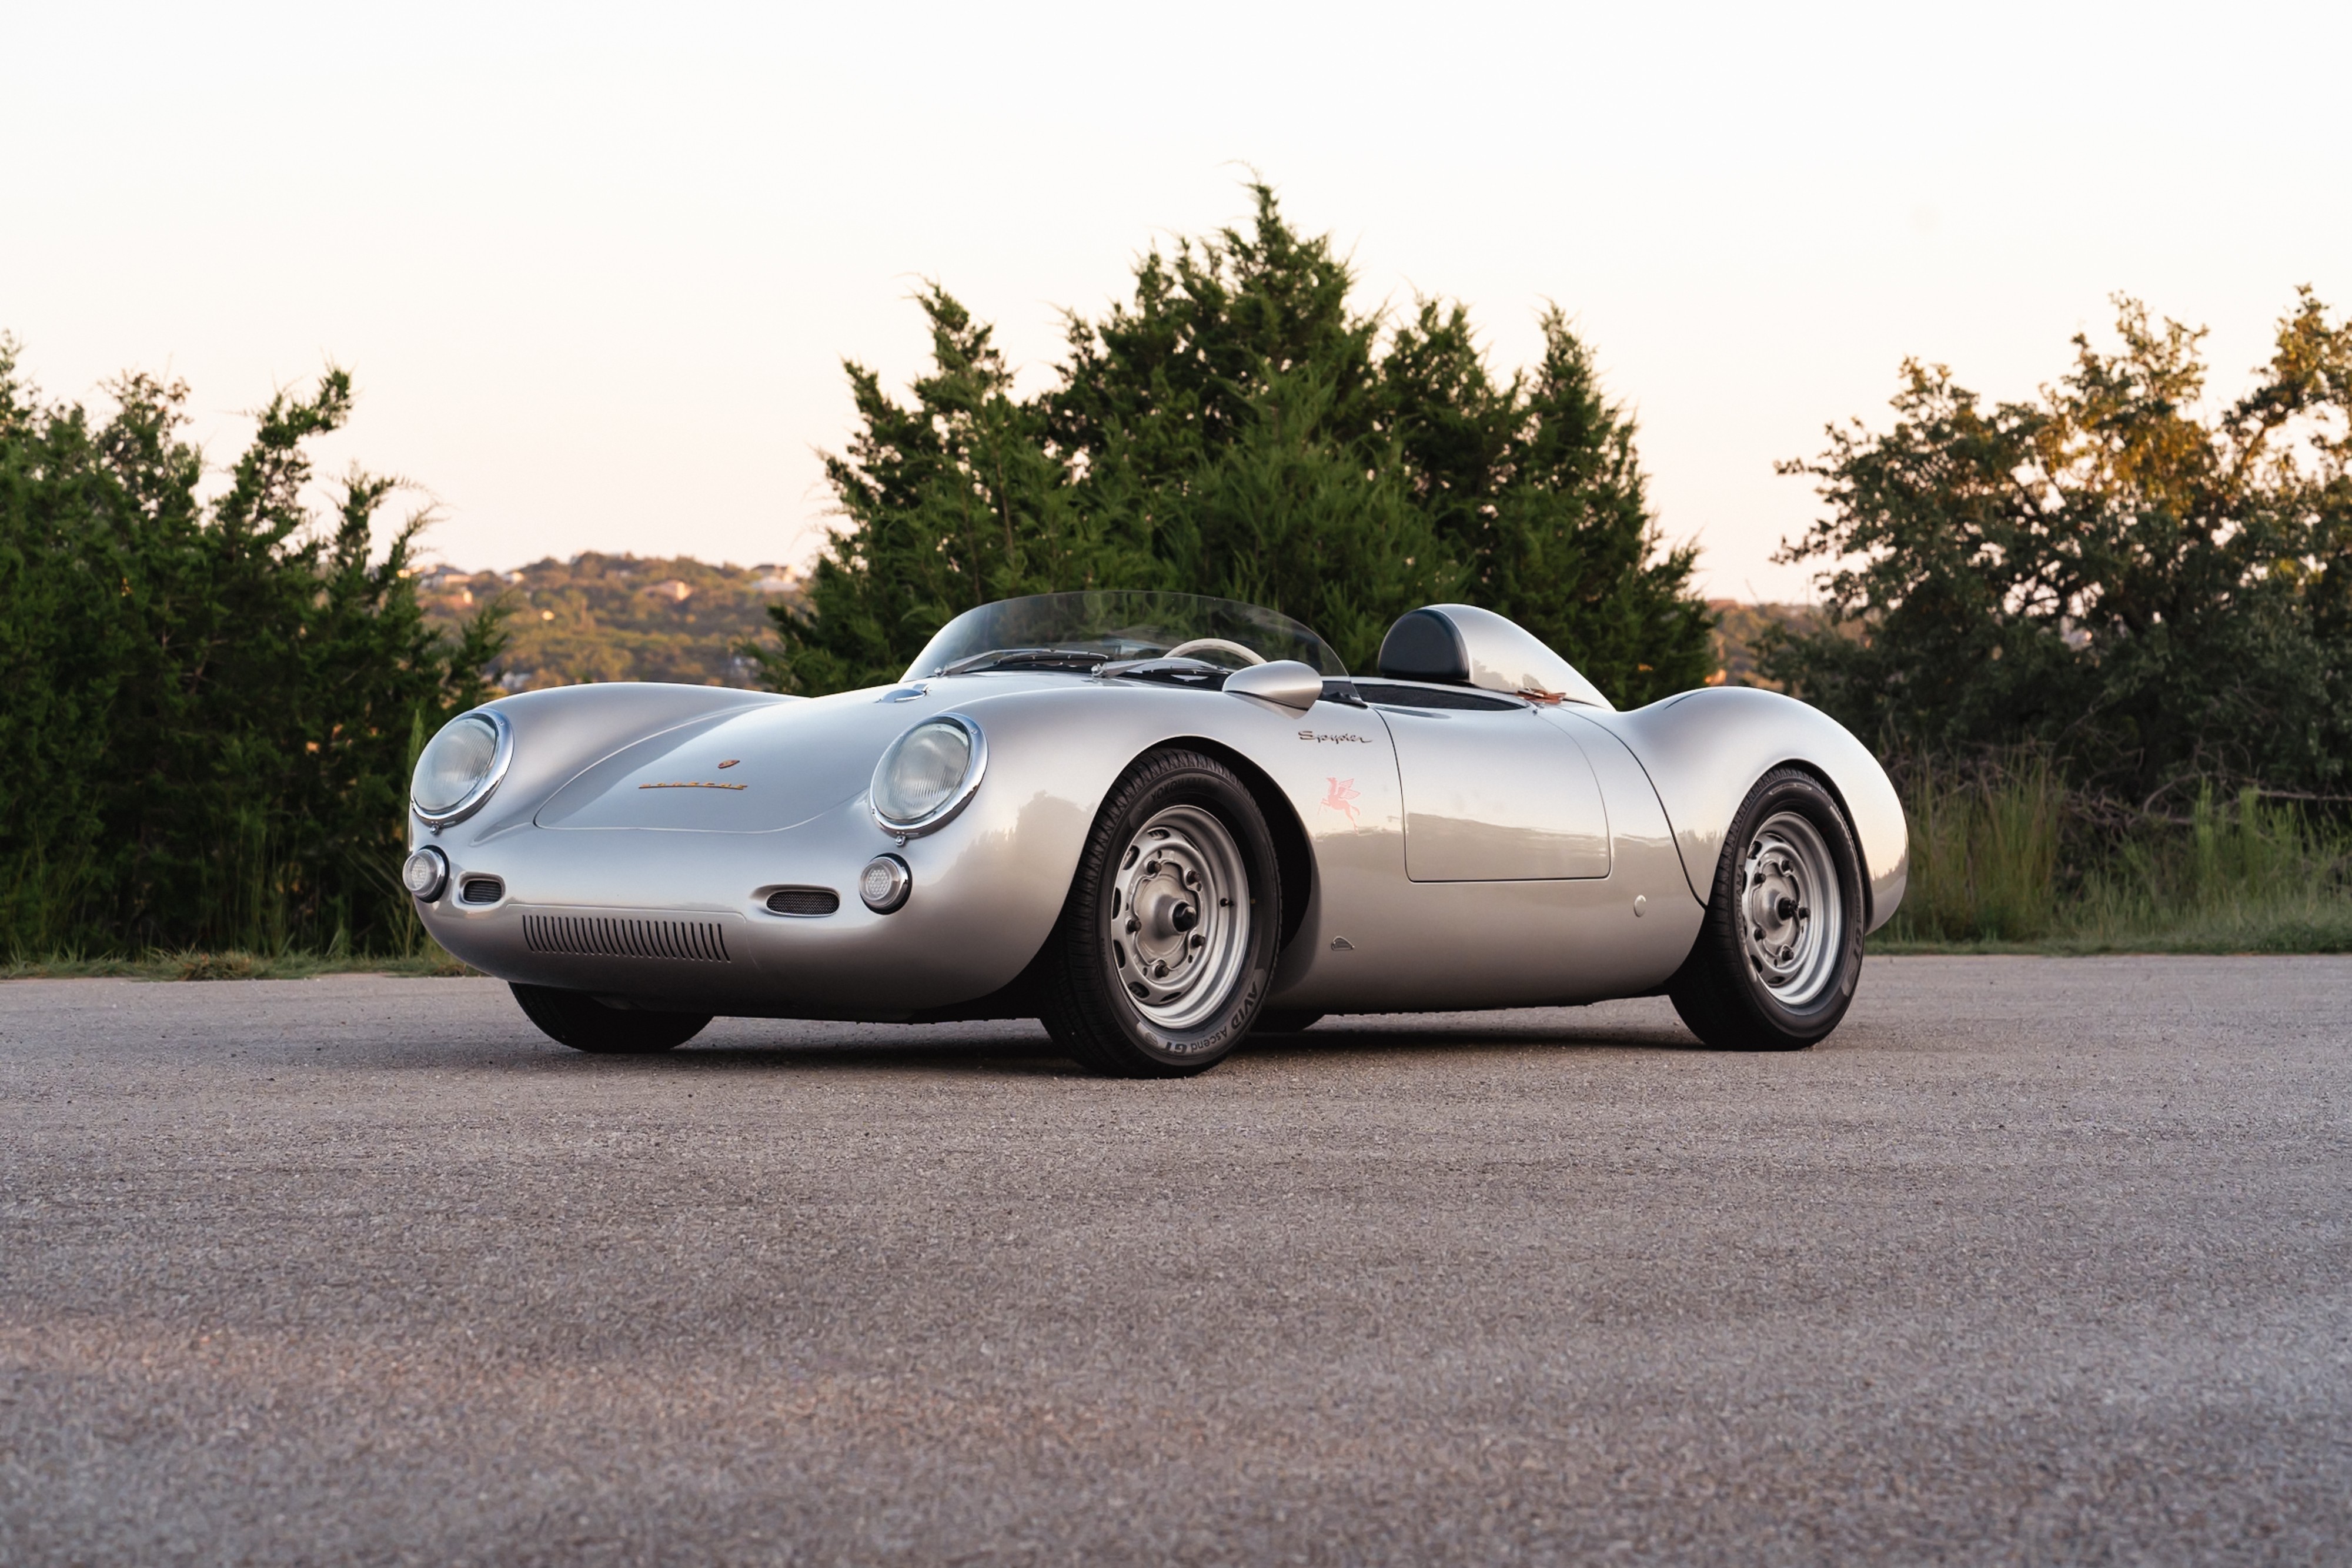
(579, 1020)
(1167, 938)
(1780, 952)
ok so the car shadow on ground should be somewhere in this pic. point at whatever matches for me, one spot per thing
(1025, 1051)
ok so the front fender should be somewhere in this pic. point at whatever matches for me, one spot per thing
(1705, 750)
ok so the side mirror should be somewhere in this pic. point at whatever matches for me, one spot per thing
(1286, 682)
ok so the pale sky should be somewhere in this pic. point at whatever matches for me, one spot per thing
(595, 268)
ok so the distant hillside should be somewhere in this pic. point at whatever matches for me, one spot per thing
(1739, 627)
(637, 618)
(619, 617)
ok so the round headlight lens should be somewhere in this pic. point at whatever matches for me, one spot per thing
(456, 766)
(424, 873)
(924, 773)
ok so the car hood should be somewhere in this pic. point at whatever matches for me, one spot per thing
(760, 770)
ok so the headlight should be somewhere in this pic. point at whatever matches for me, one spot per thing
(928, 774)
(460, 767)
(424, 873)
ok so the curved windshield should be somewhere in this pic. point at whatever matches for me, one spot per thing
(1086, 631)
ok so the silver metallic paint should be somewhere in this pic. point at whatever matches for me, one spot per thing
(1287, 682)
(1496, 797)
(571, 833)
(1705, 751)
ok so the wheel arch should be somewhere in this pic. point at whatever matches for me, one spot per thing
(1294, 857)
(1705, 751)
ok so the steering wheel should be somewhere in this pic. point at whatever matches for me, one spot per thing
(1217, 644)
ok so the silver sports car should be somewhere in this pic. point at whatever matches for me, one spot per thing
(1159, 823)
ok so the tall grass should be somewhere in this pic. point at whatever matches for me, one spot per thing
(1984, 852)
(260, 915)
(2004, 854)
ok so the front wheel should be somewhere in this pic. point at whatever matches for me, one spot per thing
(1168, 938)
(1780, 952)
(579, 1020)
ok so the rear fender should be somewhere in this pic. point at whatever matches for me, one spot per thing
(1705, 751)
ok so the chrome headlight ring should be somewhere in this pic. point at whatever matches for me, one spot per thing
(502, 756)
(425, 874)
(957, 798)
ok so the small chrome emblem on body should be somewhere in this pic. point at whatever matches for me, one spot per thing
(694, 784)
(1341, 944)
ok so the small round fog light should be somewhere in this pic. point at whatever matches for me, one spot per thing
(885, 884)
(424, 873)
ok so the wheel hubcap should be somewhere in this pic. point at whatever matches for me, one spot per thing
(1792, 909)
(1179, 917)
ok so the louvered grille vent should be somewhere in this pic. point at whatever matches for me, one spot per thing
(616, 936)
(481, 890)
(804, 901)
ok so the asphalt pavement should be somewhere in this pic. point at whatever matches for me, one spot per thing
(2035, 1260)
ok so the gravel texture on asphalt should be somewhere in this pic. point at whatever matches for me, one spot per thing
(2035, 1260)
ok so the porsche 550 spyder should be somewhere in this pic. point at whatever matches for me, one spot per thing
(1159, 823)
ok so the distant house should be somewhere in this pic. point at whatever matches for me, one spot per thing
(451, 585)
(671, 588)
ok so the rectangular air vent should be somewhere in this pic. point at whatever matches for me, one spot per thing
(481, 890)
(622, 936)
(804, 901)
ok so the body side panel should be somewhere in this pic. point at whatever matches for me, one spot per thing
(1496, 797)
(1377, 942)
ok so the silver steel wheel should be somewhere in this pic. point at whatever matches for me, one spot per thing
(1793, 912)
(1177, 920)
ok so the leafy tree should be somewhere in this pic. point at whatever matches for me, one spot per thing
(1236, 428)
(1535, 486)
(2161, 598)
(953, 503)
(212, 705)
(1227, 423)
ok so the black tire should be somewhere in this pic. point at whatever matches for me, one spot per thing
(1273, 1021)
(1764, 975)
(579, 1020)
(1186, 1018)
